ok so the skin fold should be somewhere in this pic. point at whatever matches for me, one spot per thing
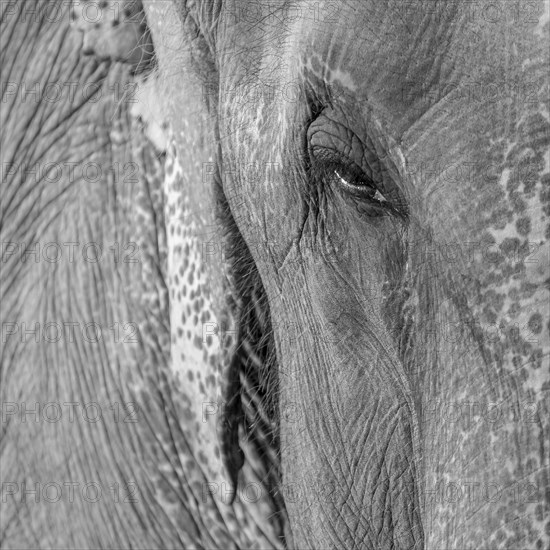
(342, 289)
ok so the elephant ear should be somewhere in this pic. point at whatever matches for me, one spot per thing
(250, 388)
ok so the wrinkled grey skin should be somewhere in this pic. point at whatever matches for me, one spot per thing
(38, 49)
(437, 300)
(411, 336)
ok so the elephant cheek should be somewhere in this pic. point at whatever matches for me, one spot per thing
(346, 484)
(347, 431)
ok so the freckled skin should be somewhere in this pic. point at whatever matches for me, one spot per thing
(114, 30)
(197, 371)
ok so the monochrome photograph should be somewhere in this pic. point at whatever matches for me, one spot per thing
(275, 274)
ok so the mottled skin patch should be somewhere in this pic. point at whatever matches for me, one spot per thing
(114, 29)
(188, 289)
(197, 358)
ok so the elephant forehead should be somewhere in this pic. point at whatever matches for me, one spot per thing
(379, 53)
(402, 56)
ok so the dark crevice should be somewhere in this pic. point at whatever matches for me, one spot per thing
(251, 386)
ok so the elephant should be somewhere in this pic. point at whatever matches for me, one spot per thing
(310, 240)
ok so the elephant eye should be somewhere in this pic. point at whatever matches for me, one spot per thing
(355, 182)
(345, 175)
(372, 195)
(350, 158)
(358, 184)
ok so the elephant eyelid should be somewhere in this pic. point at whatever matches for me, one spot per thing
(364, 186)
(351, 165)
(370, 196)
(351, 179)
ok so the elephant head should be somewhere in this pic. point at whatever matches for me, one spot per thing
(395, 226)
(341, 212)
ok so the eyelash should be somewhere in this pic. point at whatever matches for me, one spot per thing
(346, 175)
(367, 187)
(367, 197)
